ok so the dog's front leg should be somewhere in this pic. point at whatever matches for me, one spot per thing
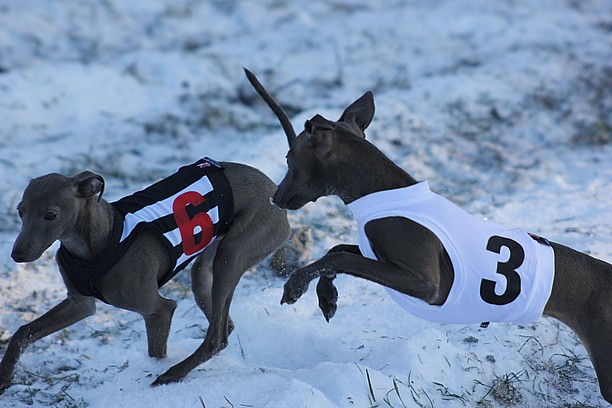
(326, 291)
(328, 297)
(71, 310)
(405, 279)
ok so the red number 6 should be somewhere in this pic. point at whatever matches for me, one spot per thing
(188, 225)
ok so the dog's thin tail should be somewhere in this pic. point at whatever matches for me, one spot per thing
(276, 108)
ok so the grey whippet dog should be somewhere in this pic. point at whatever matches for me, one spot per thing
(333, 158)
(70, 209)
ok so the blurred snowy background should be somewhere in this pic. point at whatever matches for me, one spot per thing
(504, 106)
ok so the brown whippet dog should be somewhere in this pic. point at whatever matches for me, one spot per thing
(402, 253)
(70, 209)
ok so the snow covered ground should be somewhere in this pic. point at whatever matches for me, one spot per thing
(505, 107)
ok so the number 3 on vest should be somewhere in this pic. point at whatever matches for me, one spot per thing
(187, 226)
(507, 269)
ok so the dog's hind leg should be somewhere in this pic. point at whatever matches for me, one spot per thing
(595, 331)
(581, 299)
(237, 252)
(258, 229)
(202, 281)
(597, 343)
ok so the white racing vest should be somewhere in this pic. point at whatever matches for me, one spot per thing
(501, 275)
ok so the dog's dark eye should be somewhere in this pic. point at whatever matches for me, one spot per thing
(50, 215)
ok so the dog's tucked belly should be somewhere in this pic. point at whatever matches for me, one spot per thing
(501, 275)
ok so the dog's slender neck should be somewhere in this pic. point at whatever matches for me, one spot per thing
(91, 232)
(358, 158)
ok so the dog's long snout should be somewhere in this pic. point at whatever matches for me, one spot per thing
(18, 252)
(277, 200)
(284, 197)
(26, 251)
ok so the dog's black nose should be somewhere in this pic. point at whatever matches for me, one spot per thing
(17, 257)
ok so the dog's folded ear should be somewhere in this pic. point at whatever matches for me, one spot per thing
(318, 122)
(322, 141)
(87, 184)
(360, 112)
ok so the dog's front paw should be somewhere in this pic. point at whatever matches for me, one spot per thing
(166, 378)
(173, 375)
(328, 297)
(6, 379)
(4, 385)
(294, 288)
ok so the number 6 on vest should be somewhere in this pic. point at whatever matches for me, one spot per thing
(187, 226)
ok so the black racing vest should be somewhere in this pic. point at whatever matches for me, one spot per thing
(189, 210)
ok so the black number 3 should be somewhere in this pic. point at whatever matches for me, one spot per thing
(508, 269)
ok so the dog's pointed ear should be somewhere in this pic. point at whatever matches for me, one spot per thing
(87, 184)
(360, 112)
